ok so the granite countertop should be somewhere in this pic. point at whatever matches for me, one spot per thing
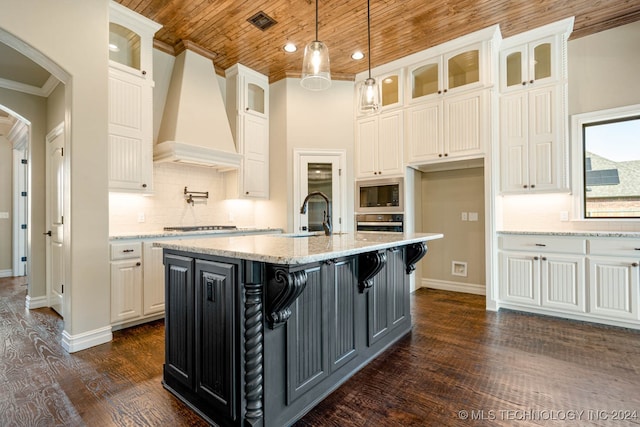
(161, 234)
(289, 250)
(630, 234)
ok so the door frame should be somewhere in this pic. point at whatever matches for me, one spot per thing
(19, 138)
(339, 215)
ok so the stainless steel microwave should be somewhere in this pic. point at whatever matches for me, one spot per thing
(380, 196)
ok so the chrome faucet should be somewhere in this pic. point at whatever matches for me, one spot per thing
(326, 217)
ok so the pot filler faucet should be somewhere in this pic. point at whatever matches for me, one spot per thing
(326, 217)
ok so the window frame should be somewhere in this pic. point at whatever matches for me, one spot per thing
(577, 154)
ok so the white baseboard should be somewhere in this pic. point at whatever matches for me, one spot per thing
(35, 302)
(445, 285)
(73, 343)
(6, 273)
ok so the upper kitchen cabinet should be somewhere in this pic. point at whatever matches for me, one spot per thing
(130, 141)
(379, 140)
(533, 110)
(248, 112)
(452, 72)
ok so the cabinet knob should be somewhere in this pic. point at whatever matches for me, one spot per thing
(246, 109)
(531, 81)
(439, 92)
(138, 264)
(535, 258)
(439, 155)
(544, 258)
(379, 172)
(445, 91)
(635, 264)
(375, 173)
(525, 186)
(524, 83)
(446, 154)
(533, 186)
(144, 73)
(247, 193)
(144, 185)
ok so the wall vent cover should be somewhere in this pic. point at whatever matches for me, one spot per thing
(262, 20)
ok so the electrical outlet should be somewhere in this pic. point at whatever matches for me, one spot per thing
(463, 216)
(141, 217)
(4, 215)
(473, 216)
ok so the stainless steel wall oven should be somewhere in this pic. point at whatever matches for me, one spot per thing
(380, 222)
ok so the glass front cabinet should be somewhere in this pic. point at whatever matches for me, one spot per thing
(455, 71)
(529, 64)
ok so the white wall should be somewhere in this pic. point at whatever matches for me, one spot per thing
(74, 35)
(603, 73)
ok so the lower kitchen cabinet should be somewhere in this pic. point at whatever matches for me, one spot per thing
(594, 280)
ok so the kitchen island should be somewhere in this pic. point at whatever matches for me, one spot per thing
(259, 329)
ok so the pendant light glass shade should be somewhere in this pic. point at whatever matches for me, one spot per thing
(316, 74)
(315, 67)
(369, 89)
(369, 96)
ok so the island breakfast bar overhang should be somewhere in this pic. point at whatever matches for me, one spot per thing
(259, 329)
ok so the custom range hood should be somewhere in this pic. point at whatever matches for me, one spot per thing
(195, 129)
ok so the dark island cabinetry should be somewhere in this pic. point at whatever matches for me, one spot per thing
(253, 343)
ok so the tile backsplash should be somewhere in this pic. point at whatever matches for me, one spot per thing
(167, 205)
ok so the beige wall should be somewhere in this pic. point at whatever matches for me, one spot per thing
(6, 204)
(603, 73)
(33, 109)
(51, 28)
(444, 196)
(300, 118)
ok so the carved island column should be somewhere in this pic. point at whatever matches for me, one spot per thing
(253, 344)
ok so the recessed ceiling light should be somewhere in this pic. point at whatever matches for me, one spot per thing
(388, 80)
(290, 47)
(357, 55)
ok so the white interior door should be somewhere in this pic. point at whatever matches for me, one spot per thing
(55, 218)
(319, 172)
(20, 237)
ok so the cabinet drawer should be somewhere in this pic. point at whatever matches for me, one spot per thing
(126, 250)
(531, 243)
(615, 247)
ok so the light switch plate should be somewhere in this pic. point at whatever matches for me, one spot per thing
(463, 216)
(473, 216)
(4, 215)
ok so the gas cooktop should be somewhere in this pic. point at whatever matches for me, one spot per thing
(201, 228)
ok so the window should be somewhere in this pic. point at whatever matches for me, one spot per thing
(610, 163)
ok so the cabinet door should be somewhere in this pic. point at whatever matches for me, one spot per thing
(425, 132)
(130, 147)
(462, 69)
(126, 289)
(391, 93)
(514, 68)
(153, 280)
(179, 363)
(215, 284)
(387, 300)
(544, 138)
(390, 144)
(463, 125)
(520, 281)
(255, 95)
(542, 61)
(514, 142)
(613, 287)
(342, 312)
(562, 282)
(366, 147)
(426, 79)
(255, 135)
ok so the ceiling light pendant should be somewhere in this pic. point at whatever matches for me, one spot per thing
(315, 65)
(369, 88)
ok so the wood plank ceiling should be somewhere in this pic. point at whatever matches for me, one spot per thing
(398, 27)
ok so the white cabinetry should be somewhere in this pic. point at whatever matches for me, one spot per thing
(126, 281)
(248, 112)
(130, 145)
(614, 278)
(453, 127)
(379, 145)
(543, 271)
(533, 110)
(137, 282)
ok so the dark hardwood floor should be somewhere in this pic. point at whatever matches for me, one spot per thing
(461, 366)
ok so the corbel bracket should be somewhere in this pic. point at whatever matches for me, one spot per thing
(369, 264)
(283, 287)
(415, 252)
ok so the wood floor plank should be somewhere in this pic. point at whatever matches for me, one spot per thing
(503, 369)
